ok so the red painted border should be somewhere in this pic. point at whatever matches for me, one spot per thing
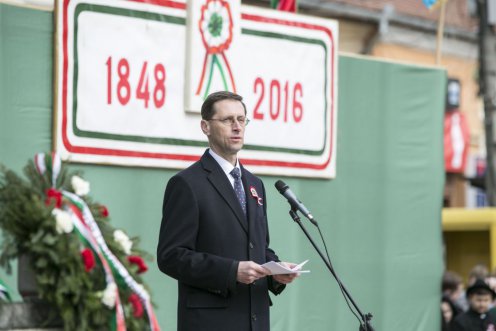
(164, 3)
(115, 152)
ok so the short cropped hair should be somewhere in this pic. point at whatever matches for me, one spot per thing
(480, 291)
(207, 109)
(480, 271)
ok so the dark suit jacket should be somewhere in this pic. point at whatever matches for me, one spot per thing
(203, 236)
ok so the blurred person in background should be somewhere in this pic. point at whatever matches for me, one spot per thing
(448, 312)
(479, 271)
(452, 288)
(491, 281)
(478, 317)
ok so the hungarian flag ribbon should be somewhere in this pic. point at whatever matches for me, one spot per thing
(48, 162)
(97, 240)
(86, 237)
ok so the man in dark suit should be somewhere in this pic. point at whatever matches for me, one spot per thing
(214, 234)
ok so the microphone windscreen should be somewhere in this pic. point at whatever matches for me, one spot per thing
(281, 186)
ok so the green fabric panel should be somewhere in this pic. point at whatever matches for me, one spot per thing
(380, 216)
(26, 48)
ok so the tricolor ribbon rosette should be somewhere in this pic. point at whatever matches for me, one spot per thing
(254, 194)
(216, 29)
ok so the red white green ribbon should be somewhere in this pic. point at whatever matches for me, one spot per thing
(50, 163)
(94, 235)
(216, 29)
(85, 235)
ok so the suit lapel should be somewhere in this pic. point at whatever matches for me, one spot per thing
(221, 183)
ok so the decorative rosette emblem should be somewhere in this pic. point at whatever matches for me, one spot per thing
(216, 29)
(216, 26)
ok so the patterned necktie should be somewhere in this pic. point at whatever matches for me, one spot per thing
(238, 188)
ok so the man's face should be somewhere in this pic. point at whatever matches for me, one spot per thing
(225, 139)
(455, 295)
(480, 302)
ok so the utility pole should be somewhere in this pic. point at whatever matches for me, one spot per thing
(487, 84)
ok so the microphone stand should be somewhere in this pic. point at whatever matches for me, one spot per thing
(365, 322)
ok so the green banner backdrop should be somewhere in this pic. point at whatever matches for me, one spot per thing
(380, 216)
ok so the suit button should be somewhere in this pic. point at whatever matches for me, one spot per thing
(254, 317)
(251, 245)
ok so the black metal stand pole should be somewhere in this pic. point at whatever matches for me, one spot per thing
(487, 88)
(365, 319)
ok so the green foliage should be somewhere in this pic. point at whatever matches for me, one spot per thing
(29, 229)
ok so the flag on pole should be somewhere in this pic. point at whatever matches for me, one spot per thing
(431, 4)
(284, 5)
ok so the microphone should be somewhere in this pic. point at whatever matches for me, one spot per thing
(293, 200)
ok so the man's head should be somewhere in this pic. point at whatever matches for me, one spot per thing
(479, 271)
(480, 296)
(223, 122)
(452, 285)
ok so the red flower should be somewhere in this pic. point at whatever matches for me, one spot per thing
(135, 259)
(53, 195)
(88, 259)
(104, 211)
(135, 301)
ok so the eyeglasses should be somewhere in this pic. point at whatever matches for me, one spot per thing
(230, 121)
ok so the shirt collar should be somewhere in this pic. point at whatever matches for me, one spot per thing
(226, 166)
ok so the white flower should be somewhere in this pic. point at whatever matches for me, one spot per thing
(63, 222)
(123, 240)
(80, 186)
(109, 295)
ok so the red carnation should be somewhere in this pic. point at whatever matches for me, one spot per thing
(104, 211)
(53, 195)
(135, 301)
(88, 259)
(135, 259)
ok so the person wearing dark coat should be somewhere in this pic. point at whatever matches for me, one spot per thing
(478, 317)
(214, 235)
(448, 312)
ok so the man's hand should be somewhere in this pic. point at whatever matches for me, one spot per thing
(286, 278)
(249, 271)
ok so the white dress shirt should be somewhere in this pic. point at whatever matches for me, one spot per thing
(226, 166)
